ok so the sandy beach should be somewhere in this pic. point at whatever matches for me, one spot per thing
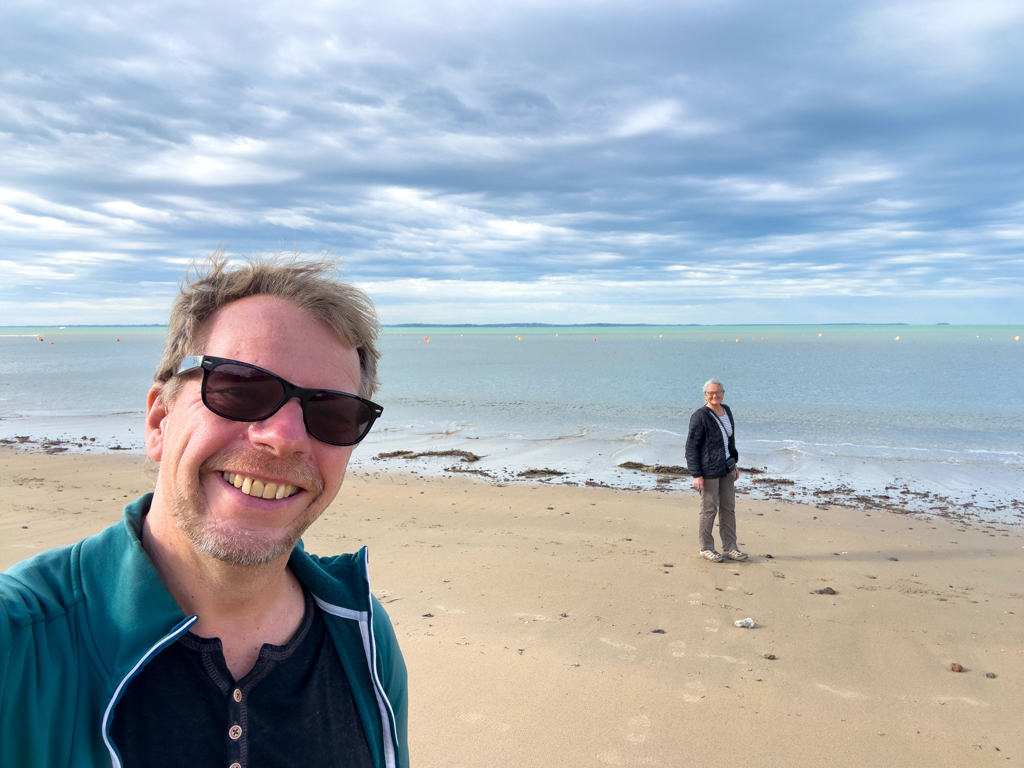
(547, 625)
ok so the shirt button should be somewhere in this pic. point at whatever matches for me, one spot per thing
(237, 694)
(235, 732)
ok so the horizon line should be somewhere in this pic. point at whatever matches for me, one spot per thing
(559, 325)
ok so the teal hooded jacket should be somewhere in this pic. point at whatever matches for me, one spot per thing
(77, 623)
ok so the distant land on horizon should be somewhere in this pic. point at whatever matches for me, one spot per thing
(622, 325)
(526, 325)
(550, 325)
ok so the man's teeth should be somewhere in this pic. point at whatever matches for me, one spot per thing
(258, 488)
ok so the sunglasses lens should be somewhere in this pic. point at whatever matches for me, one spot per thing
(243, 393)
(338, 418)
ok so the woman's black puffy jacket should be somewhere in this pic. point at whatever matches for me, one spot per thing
(706, 455)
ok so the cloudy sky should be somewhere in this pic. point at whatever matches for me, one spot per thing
(563, 161)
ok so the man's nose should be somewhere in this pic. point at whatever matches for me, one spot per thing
(284, 433)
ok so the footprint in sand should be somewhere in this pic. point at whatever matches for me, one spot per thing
(727, 659)
(964, 699)
(677, 649)
(620, 646)
(694, 692)
(711, 625)
(843, 694)
(636, 729)
(614, 758)
(442, 609)
(474, 717)
(630, 656)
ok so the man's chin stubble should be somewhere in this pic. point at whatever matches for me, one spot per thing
(240, 548)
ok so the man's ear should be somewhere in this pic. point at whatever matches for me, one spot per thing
(156, 415)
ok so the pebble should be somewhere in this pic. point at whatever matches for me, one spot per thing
(746, 623)
(825, 591)
(990, 675)
(770, 656)
(956, 667)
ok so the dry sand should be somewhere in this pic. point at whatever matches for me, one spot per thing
(554, 626)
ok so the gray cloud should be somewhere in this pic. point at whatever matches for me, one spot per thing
(559, 162)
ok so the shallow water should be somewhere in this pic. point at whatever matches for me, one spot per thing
(940, 409)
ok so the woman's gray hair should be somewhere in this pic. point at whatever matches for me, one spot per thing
(709, 382)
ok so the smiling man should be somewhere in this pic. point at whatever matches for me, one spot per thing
(198, 631)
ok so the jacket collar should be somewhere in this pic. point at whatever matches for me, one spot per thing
(341, 580)
(125, 593)
(128, 605)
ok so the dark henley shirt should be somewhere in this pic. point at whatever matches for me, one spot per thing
(294, 708)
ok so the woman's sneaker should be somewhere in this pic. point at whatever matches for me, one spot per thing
(735, 554)
(710, 554)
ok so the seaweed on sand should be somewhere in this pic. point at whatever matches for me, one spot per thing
(540, 473)
(655, 469)
(466, 456)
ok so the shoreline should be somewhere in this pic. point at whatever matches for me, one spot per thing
(433, 456)
(553, 625)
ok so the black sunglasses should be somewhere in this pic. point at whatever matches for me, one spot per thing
(244, 392)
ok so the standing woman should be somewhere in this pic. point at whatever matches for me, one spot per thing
(711, 458)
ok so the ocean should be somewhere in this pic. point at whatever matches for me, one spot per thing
(924, 418)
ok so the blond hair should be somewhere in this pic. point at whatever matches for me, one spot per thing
(309, 284)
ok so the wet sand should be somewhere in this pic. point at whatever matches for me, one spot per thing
(547, 625)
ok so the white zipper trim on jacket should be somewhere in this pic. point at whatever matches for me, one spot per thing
(365, 620)
(387, 713)
(179, 630)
